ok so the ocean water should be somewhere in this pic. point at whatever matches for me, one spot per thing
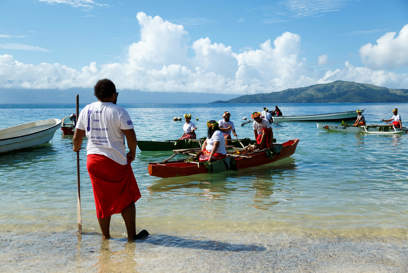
(337, 205)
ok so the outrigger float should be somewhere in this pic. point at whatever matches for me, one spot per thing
(240, 159)
(372, 129)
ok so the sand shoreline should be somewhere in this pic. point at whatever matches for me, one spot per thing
(63, 252)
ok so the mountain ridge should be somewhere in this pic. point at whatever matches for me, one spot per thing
(337, 91)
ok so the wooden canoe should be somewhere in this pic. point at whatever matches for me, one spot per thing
(170, 145)
(28, 135)
(232, 162)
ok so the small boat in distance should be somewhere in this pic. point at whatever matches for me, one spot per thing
(231, 162)
(68, 125)
(28, 135)
(339, 116)
(372, 129)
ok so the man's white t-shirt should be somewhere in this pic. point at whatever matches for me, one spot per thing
(396, 117)
(188, 127)
(102, 123)
(217, 136)
(259, 126)
(225, 124)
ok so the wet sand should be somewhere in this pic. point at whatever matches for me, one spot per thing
(236, 252)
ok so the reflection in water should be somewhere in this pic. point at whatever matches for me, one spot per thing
(218, 186)
(27, 156)
(122, 260)
(213, 186)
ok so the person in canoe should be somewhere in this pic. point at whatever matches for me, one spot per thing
(262, 131)
(360, 121)
(395, 120)
(277, 112)
(227, 126)
(114, 185)
(188, 128)
(213, 147)
(266, 114)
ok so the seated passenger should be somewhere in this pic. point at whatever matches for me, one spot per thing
(214, 146)
(188, 128)
(227, 126)
(262, 131)
(360, 121)
(396, 119)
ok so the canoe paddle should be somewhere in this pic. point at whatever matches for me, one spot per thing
(79, 218)
(240, 143)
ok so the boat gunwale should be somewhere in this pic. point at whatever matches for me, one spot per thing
(49, 128)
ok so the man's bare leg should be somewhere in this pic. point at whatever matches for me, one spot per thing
(129, 216)
(104, 224)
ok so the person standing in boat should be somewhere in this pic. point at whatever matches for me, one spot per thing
(360, 121)
(188, 128)
(262, 131)
(227, 126)
(213, 147)
(396, 119)
(106, 124)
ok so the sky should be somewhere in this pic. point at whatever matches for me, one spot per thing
(228, 47)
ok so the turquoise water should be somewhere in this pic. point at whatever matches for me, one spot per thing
(340, 192)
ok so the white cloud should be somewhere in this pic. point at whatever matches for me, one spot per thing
(366, 75)
(322, 59)
(24, 47)
(304, 8)
(164, 59)
(390, 51)
(73, 3)
(8, 36)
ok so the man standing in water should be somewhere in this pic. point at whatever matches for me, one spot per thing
(114, 185)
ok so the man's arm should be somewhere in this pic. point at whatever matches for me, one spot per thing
(131, 143)
(77, 139)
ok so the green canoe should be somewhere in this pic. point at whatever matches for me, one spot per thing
(169, 145)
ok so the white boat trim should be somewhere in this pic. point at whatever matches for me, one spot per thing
(28, 135)
(347, 115)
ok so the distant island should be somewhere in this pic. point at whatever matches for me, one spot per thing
(337, 91)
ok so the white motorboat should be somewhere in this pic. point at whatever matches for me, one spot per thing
(372, 129)
(339, 116)
(28, 134)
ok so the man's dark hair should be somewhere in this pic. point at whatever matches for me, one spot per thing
(104, 88)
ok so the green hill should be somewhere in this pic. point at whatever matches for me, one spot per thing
(338, 91)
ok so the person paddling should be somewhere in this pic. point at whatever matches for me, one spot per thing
(188, 128)
(106, 124)
(396, 119)
(360, 121)
(213, 147)
(227, 126)
(262, 131)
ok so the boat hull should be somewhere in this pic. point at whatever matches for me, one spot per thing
(28, 135)
(348, 115)
(182, 168)
(372, 129)
(170, 145)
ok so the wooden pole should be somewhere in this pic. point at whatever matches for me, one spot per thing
(79, 218)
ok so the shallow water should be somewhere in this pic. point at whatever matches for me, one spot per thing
(342, 195)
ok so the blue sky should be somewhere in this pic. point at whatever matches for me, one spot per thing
(202, 46)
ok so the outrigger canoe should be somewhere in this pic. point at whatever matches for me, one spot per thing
(28, 135)
(231, 162)
(339, 116)
(372, 129)
(170, 145)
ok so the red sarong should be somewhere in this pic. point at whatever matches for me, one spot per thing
(191, 135)
(266, 142)
(396, 124)
(205, 155)
(114, 185)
